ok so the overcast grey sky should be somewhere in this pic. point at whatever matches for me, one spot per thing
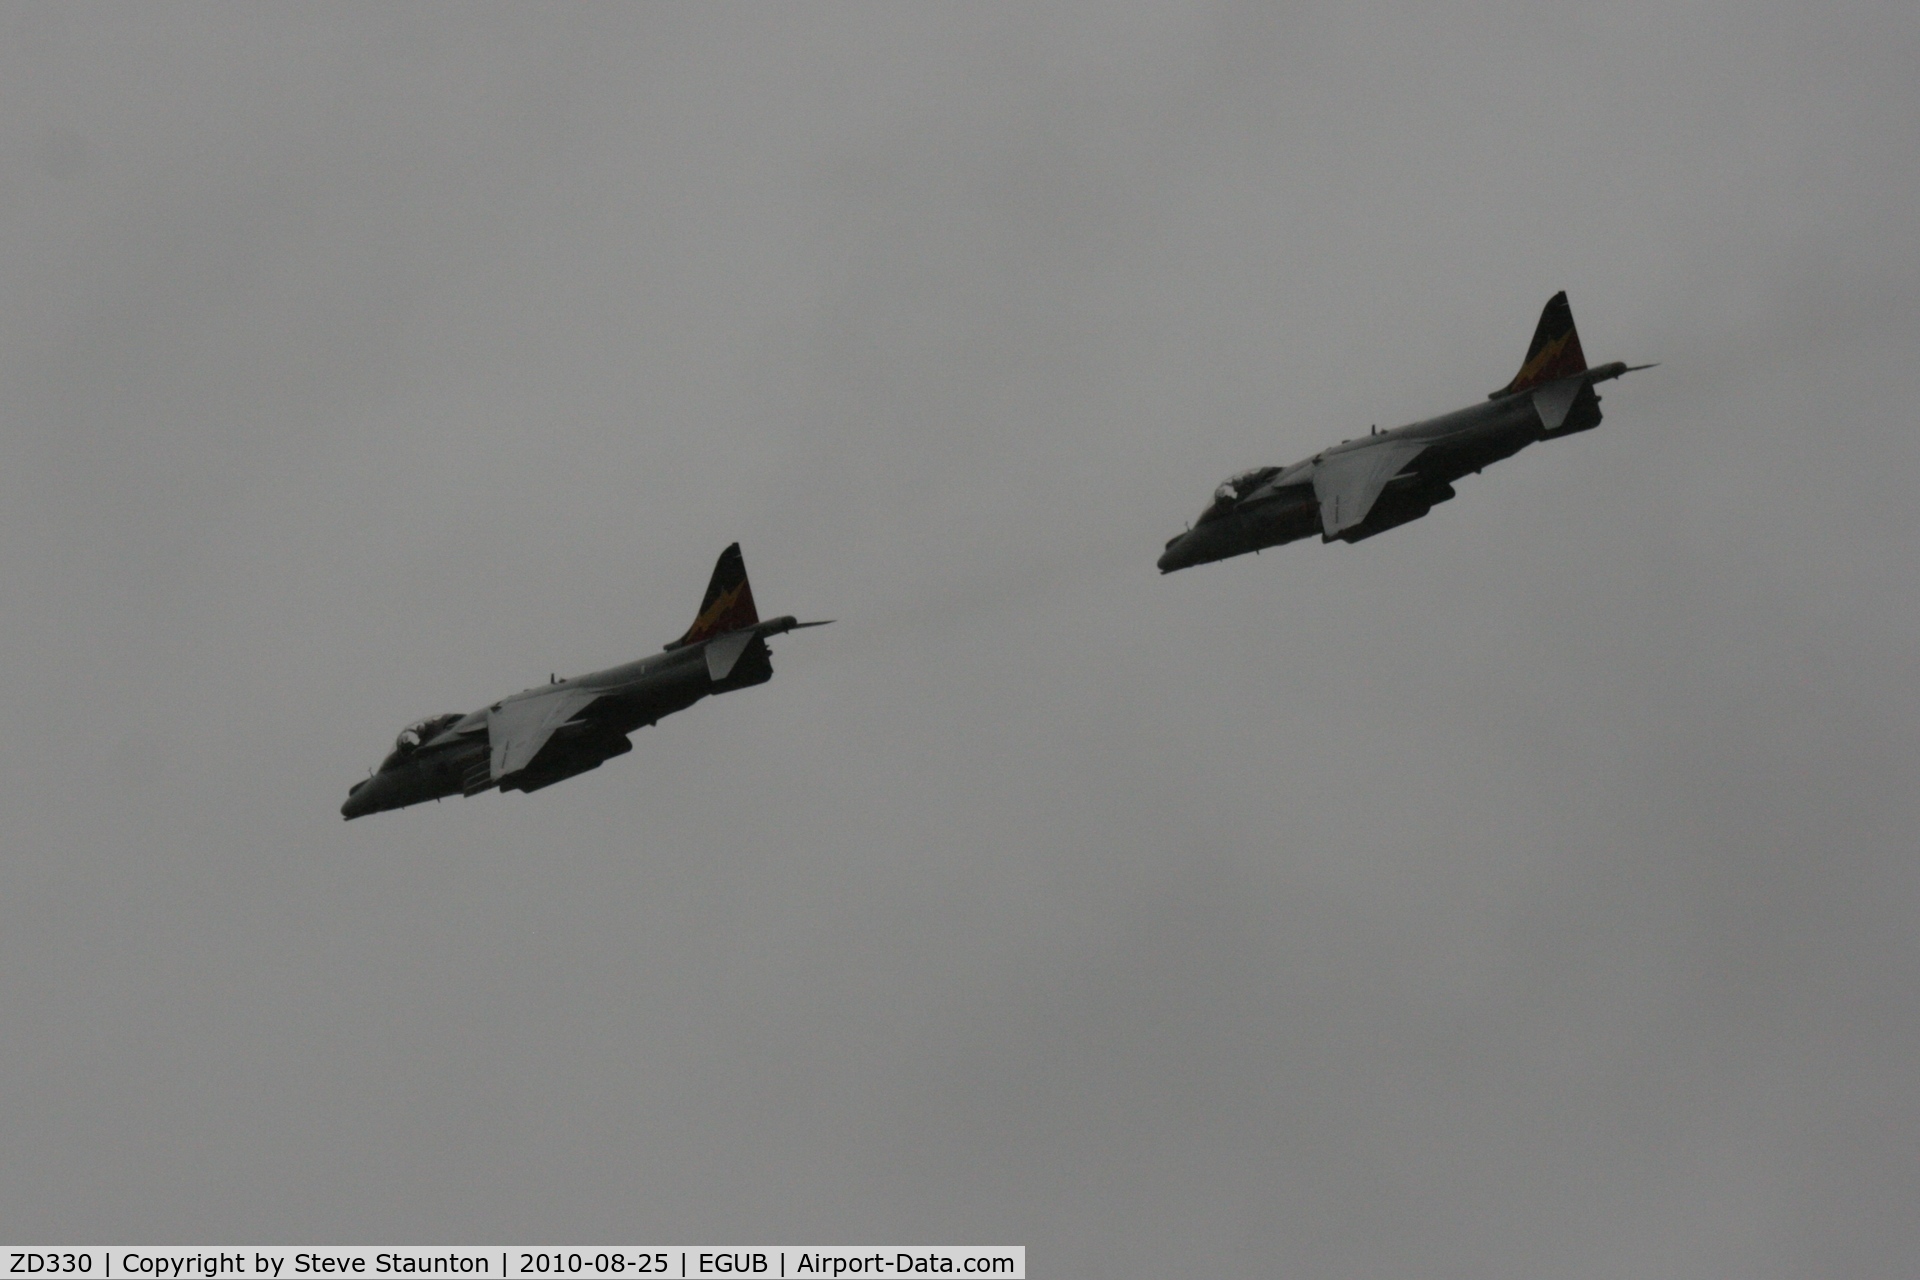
(1529, 892)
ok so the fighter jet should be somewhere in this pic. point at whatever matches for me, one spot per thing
(1384, 479)
(538, 737)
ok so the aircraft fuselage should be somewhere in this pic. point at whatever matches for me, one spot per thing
(539, 736)
(1382, 480)
(453, 761)
(1281, 506)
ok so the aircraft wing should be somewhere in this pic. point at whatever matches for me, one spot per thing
(1347, 484)
(519, 727)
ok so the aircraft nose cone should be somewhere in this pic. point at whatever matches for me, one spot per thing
(359, 800)
(1201, 544)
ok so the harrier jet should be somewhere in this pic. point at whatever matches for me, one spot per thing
(1366, 486)
(538, 737)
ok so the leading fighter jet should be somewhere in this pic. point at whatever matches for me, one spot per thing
(538, 737)
(1366, 486)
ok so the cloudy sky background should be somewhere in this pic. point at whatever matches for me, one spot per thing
(1529, 892)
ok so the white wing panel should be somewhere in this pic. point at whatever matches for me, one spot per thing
(1552, 401)
(724, 651)
(519, 727)
(1347, 484)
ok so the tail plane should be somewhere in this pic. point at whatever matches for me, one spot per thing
(729, 603)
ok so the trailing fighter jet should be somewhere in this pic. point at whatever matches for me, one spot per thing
(1366, 486)
(553, 731)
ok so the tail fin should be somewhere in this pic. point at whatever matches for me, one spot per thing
(729, 602)
(1555, 352)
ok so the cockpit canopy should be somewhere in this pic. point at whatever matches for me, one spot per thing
(1235, 490)
(414, 734)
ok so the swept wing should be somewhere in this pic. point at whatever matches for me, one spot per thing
(1347, 484)
(519, 727)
